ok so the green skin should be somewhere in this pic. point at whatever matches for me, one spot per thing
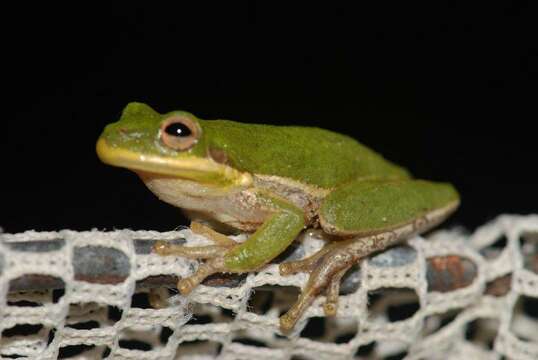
(351, 190)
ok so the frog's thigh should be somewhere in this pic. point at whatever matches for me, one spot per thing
(373, 207)
(374, 215)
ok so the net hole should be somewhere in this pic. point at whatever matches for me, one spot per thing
(154, 298)
(57, 294)
(86, 325)
(250, 342)
(199, 320)
(23, 303)
(31, 335)
(92, 315)
(228, 314)
(530, 307)
(529, 249)
(42, 284)
(496, 248)
(225, 280)
(482, 332)
(114, 313)
(500, 286)
(165, 334)
(435, 323)
(366, 349)
(314, 329)
(31, 298)
(71, 351)
(199, 348)
(22, 330)
(140, 300)
(133, 344)
(351, 281)
(144, 339)
(448, 273)
(203, 314)
(266, 298)
(396, 304)
(525, 319)
(345, 338)
(397, 356)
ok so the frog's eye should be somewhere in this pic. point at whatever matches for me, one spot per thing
(179, 133)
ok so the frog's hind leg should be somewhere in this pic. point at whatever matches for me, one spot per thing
(333, 291)
(399, 210)
(309, 265)
(304, 265)
(334, 260)
(326, 276)
(327, 267)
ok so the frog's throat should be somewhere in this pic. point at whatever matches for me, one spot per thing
(202, 170)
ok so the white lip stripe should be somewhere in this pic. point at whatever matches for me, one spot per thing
(168, 165)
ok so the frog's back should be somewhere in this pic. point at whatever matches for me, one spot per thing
(310, 155)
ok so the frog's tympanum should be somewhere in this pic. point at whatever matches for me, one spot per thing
(273, 182)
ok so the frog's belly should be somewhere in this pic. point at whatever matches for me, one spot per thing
(237, 208)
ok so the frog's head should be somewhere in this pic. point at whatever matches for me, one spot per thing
(172, 144)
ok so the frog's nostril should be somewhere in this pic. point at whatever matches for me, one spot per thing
(128, 134)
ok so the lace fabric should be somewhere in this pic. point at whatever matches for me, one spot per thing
(453, 295)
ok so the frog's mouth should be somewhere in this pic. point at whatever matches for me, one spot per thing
(203, 170)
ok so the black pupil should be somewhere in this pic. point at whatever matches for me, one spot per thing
(178, 129)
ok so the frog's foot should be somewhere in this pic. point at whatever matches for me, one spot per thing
(326, 268)
(304, 265)
(213, 254)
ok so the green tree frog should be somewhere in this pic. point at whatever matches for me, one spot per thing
(273, 182)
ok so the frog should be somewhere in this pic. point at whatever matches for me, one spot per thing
(273, 183)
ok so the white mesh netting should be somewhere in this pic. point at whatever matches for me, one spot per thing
(453, 295)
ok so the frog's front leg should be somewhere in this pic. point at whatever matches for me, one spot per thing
(222, 243)
(368, 216)
(268, 241)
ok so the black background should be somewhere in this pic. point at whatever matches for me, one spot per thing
(447, 91)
